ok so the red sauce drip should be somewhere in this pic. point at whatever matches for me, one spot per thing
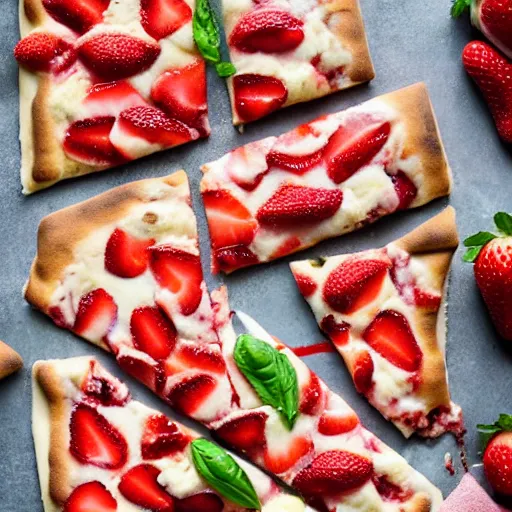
(317, 348)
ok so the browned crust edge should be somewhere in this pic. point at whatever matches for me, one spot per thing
(10, 360)
(61, 231)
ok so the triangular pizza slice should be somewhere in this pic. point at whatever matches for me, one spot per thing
(10, 360)
(384, 310)
(99, 450)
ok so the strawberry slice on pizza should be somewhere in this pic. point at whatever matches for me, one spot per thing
(384, 310)
(331, 176)
(104, 82)
(288, 52)
(99, 450)
(10, 360)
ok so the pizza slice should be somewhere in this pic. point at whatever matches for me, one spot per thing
(288, 52)
(99, 450)
(10, 360)
(103, 82)
(384, 310)
(331, 176)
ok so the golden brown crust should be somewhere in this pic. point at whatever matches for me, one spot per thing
(10, 360)
(34, 11)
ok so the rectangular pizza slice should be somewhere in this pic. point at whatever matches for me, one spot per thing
(384, 310)
(328, 177)
(288, 52)
(103, 82)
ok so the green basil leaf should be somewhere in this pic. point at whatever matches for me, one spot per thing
(271, 375)
(459, 6)
(206, 32)
(225, 69)
(472, 254)
(480, 238)
(505, 422)
(224, 474)
(503, 222)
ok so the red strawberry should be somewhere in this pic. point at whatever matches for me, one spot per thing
(333, 424)
(153, 332)
(94, 440)
(78, 15)
(246, 165)
(339, 333)
(102, 388)
(493, 74)
(256, 96)
(162, 438)
(150, 374)
(112, 98)
(268, 31)
(298, 164)
(311, 396)
(390, 335)
(181, 92)
(200, 358)
(426, 300)
(294, 205)
(289, 246)
(354, 145)
(334, 472)
(232, 258)
(155, 126)
(140, 486)
(125, 255)
(161, 18)
(90, 497)
(306, 285)
(191, 393)
(229, 221)
(204, 502)
(245, 432)
(37, 51)
(88, 141)
(355, 283)
(405, 189)
(362, 372)
(114, 56)
(390, 491)
(97, 313)
(179, 272)
(280, 462)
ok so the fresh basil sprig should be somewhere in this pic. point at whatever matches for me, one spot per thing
(271, 375)
(223, 473)
(207, 38)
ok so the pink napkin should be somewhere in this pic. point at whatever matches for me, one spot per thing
(469, 496)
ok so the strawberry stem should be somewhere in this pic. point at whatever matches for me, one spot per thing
(487, 432)
(459, 6)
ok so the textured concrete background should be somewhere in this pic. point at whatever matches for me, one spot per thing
(410, 41)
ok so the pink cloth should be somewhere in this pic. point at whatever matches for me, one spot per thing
(469, 496)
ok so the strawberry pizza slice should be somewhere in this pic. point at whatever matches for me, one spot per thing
(10, 360)
(103, 82)
(331, 176)
(288, 52)
(384, 310)
(98, 450)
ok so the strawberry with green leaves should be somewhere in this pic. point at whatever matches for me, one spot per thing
(492, 257)
(497, 443)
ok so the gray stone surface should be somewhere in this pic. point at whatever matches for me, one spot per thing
(410, 41)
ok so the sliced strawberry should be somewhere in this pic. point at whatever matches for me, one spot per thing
(102, 388)
(294, 205)
(334, 472)
(37, 51)
(112, 98)
(247, 165)
(362, 372)
(162, 438)
(306, 284)
(390, 491)
(203, 502)
(245, 432)
(181, 92)
(115, 55)
(88, 141)
(339, 333)
(390, 335)
(94, 440)
(179, 272)
(97, 313)
(140, 486)
(150, 374)
(58, 317)
(200, 357)
(298, 164)
(355, 283)
(78, 15)
(232, 258)
(257, 95)
(191, 393)
(153, 332)
(125, 255)
(354, 145)
(229, 221)
(161, 18)
(154, 125)
(311, 396)
(405, 189)
(426, 300)
(90, 497)
(333, 423)
(268, 31)
(280, 462)
(289, 246)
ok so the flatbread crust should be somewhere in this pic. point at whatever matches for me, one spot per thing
(10, 360)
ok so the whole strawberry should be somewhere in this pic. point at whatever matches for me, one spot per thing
(497, 442)
(492, 72)
(492, 17)
(492, 255)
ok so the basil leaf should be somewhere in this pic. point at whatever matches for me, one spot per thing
(480, 238)
(503, 222)
(271, 375)
(505, 422)
(223, 473)
(459, 6)
(472, 254)
(225, 69)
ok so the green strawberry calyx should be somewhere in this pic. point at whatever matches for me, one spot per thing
(487, 432)
(476, 243)
(459, 6)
